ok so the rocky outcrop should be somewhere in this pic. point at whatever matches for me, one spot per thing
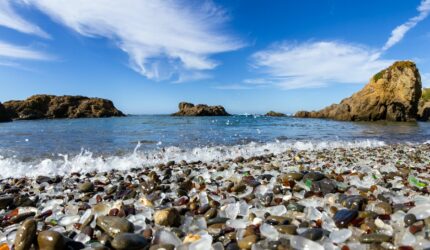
(275, 114)
(51, 107)
(424, 105)
(4, 115)
(189, 109)
(392, 94)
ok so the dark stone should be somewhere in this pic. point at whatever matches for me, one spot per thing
(313, 176)
(293, 206)
(324, 186)
(26, 235)
(344, 216)
(356, 202)
(313, 234)
(113, 225)
(130, 241)
(6, 201)
(51, 240)
(410, 219)
(86, 187)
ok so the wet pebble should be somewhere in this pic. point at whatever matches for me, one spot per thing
(26, 235)
(343, 217)
(113, 225)
(124, 241)
(51, 240)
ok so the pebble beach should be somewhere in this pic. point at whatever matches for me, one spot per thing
(340, 198)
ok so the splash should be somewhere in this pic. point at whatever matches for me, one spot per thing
(86, 161)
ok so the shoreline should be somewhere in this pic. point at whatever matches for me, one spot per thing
(329, 198)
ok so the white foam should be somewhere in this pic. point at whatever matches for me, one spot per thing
(87, 162)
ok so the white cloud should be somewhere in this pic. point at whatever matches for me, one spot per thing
(164, 39)
(10, 19)
(315, 64)
(399, 32)
(12, 51)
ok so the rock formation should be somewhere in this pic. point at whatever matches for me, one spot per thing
(392, 94)
(189, 109)
(424, 105)
(51, 107)
(4, 115)
(275, 114)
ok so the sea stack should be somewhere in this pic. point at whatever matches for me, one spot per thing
(189, 109)
(52, 107)
(392, 94)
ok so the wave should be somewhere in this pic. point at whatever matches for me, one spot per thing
(86, 161)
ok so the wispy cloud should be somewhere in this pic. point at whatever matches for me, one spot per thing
(315, 64)
(164, 39)
(10, 19)
(319, 63)
(399, 32)
(12, 51)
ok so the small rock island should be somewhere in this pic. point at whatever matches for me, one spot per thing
(54, 107)
(189, 109)
(392, 95)
(275, 114)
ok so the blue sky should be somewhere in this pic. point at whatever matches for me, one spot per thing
(249, 55)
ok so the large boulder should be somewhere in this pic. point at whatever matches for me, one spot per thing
(392, 94)
(4, 115)
(424, 105)
(189, 109)
(51, 107)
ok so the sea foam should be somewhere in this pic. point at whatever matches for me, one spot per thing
(86, 161)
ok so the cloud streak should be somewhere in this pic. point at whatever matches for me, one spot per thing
(165, 40)
(400, 31)
(11, 51)
(10, 19)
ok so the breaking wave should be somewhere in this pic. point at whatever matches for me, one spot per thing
(86, 161)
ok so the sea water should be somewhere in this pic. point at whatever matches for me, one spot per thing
(52, 147)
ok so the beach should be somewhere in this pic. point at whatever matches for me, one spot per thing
(334, 198)
(214, 125)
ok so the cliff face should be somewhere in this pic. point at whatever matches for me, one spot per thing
(4, 116)
(392, 94)
(51, 107)
(189, 109)
(424, 105)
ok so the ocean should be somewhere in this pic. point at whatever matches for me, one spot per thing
(57, 147)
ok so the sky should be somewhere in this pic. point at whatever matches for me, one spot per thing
(250, 56)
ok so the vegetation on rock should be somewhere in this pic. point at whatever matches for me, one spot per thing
(392, 94)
